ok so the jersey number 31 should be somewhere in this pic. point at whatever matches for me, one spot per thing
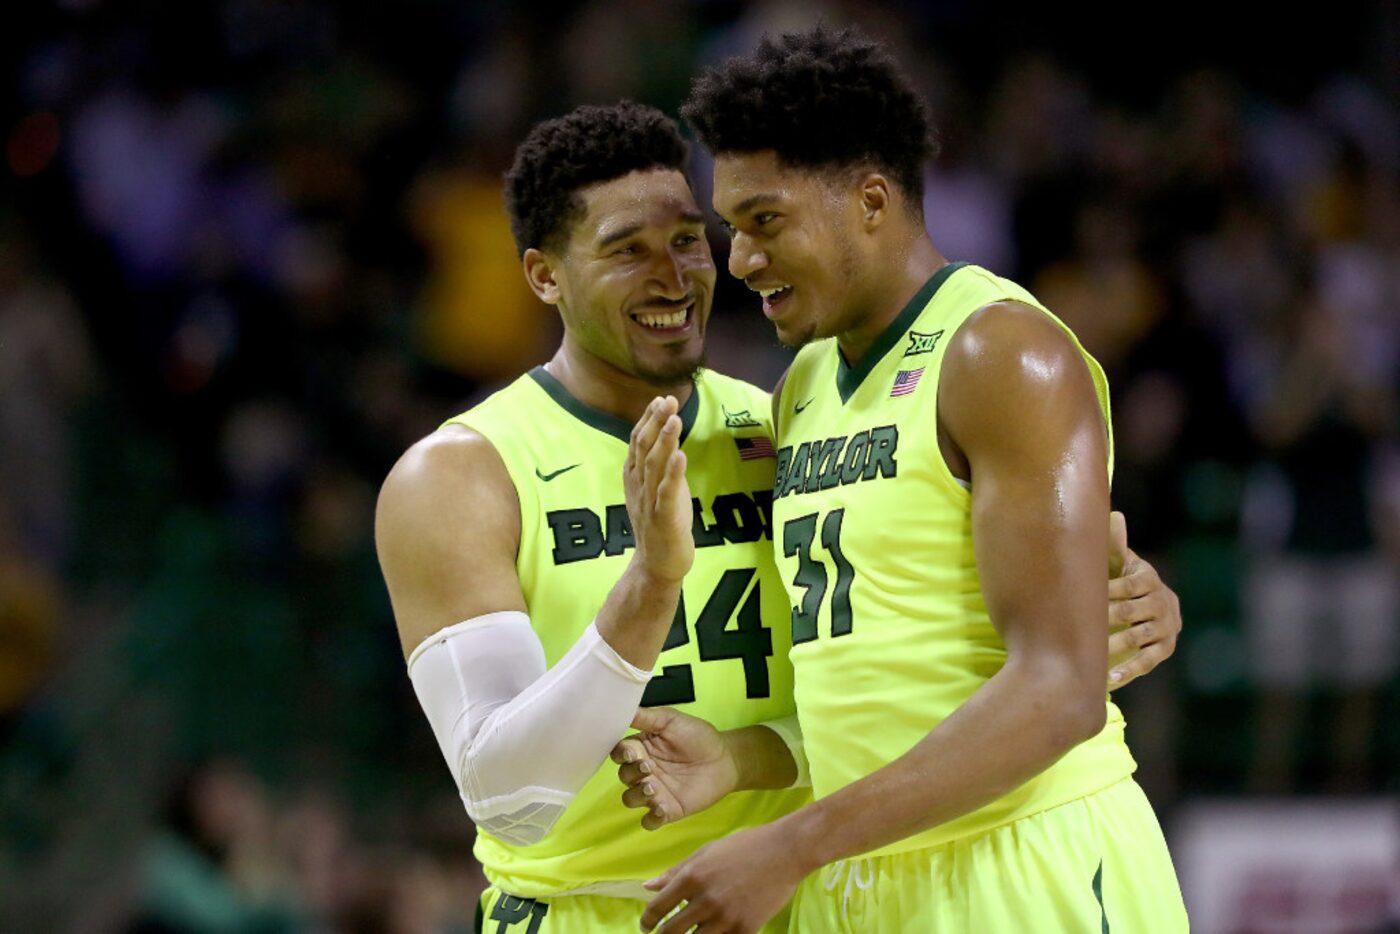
(798, 536)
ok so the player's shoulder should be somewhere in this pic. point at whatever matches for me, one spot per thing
(1010, 338)
(1010, 364)
(454, 464)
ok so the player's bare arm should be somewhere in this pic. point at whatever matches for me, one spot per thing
(678, 765)
(447, 530)
(1018, 410)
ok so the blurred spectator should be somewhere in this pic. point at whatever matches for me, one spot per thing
(1323, 603)
(479, 318)
(214, 867)
(1104, 292)
(46, 371)
(30, 611)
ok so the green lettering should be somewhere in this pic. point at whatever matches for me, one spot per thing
(883, 441)
(578, 534)
(856, 453)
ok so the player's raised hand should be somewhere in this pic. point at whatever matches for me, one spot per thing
(658, 496)
(676, 766)
(1144, 614)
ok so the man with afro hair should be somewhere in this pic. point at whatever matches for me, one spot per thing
(940, 518)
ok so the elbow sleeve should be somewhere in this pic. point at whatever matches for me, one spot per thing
(520, 739)
(789, 730)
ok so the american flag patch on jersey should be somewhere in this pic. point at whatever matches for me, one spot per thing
(753, 448)
(906, 381)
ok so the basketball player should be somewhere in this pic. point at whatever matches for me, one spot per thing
(533, 551)
(940, 515)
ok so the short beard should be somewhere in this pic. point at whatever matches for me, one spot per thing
(663, 378)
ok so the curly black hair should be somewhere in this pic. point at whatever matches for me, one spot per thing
(820, 98)
(589, 144)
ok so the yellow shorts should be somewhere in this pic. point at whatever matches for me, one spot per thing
(1095, 864)
(499, 913)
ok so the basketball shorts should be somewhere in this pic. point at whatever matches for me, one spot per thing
(1095, 864)
(499, 913)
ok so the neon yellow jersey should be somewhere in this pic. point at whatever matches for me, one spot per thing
(726, 656)
(889, 627)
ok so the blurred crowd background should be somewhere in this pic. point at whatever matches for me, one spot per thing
(250, 250)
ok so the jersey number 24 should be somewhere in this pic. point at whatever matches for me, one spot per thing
(749, 641)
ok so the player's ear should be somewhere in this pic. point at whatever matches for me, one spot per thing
(541, 276)
(876, 198)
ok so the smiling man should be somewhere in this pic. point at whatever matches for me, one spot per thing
(536, 590)
(941, 515)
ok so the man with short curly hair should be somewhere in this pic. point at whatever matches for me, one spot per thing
(534, 546)
(941, 513)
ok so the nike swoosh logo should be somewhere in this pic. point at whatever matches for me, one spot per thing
(546, 477)
(802, 405)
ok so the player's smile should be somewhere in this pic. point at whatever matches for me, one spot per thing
(775, 296)
(636, 279)
(666, 320)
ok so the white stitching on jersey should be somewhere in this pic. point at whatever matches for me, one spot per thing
(857, 871)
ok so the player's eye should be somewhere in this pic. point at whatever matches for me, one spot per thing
(687, 240)
(765, 218)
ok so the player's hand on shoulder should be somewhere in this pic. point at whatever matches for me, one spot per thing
(658, 496)
(676, 766)
(1144, 614)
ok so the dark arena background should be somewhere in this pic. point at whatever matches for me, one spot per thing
(250, 250)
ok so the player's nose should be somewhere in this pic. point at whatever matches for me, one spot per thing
(745, 258)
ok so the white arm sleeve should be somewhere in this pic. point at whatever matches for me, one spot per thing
(790, 732)
(522, 740)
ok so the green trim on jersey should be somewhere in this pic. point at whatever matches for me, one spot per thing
(1098, 896)
(619, 428)
(849, 378)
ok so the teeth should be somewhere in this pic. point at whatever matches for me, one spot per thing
(672, 319)
(769, 293)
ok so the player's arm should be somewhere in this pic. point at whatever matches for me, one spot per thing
(679, 764)
(447, 530)
(1018, 404)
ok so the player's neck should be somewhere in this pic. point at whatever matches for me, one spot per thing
(903, 273)
(602, 386)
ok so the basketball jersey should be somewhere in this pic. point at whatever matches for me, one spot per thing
(890, 630)
(726, 655)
